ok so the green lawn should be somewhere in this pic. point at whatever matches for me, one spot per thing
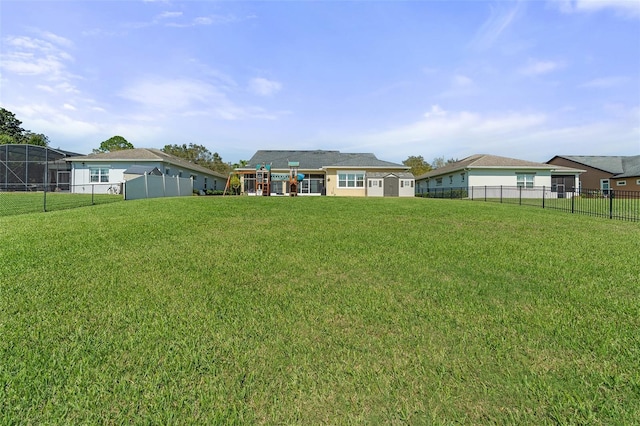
(318, 310)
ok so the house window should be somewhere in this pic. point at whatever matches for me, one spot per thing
(450, 180)
(380, 183)
(401, 184)
(180, 173)
(99, 174)
(462, 176)
(621, 183)
(604, 186)
(411, 183)
(205, 183)
(438, 181)
(524, 180)
(167, 171)
(351, 180)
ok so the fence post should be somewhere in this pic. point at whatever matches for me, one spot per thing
(164, 185)
(485, 193)
(146, 186)
(93, 185)
(46, 178)
(520, 196)
(500, 194)
(573, 202)
(543, 196)
(611, 195)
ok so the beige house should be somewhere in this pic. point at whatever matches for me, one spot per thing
(269, 172)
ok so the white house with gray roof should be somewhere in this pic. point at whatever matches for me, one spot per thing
(106, 170)
(492, 171)
(329, 173)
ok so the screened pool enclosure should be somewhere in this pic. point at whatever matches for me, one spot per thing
(26, 167)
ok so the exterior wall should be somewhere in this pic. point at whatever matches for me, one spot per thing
(507, 177)
(590, 179)
(332, 184)
(375, 187)
(631, 184)
(421, 186)
(483, 177)
(407, 190)
(81, 175)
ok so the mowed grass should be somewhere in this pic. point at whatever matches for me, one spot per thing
(261, 310)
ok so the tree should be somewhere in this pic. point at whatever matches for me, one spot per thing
(240, 164)
(114, 143)
(417, 164)
(198, 154)
(235, 183)
(441, 162)
(10, 128)
(36, 139)
(12, 132)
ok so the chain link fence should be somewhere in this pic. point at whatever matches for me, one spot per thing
(14, 202)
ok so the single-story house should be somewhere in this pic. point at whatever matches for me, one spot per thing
(324, 173)
(113, 168)
(492, 171)
(604, 172)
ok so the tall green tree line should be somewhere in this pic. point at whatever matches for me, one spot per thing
(11, 131)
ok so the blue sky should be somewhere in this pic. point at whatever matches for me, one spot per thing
(527, 79)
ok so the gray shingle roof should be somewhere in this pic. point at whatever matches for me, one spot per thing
(381, 175)
(618, 165)
(487, 161)
(145, 154)
(140, 170)
(318, 159)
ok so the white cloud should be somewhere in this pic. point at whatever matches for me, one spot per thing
(500, 18)
(170, 95)
(69, 107)
(29, 56)
(167, 15)
(436, 111)
(460, 80)
(263, 87)
(605, 82)
(531, 136)
(188, 98)
(59, 40)
(534, 68)
(455, 131)
(623, 8)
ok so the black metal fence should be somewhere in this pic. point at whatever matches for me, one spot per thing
(612, 204)
(36, 197)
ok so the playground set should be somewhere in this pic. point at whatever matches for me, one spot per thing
(264, 177)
